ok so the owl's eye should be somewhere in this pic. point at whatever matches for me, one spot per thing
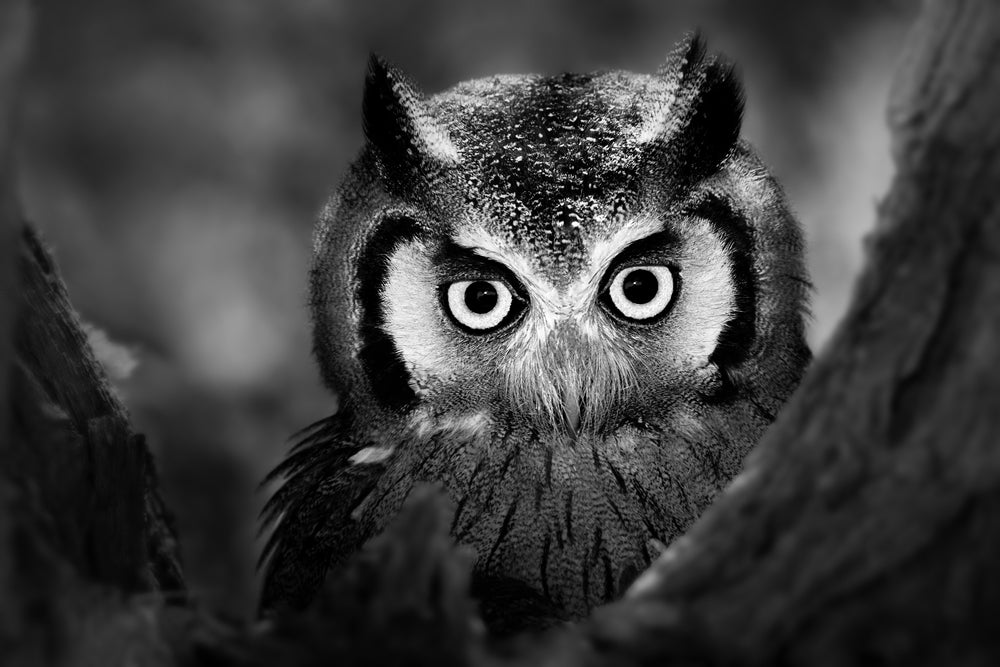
(480, 305)
(641, 293)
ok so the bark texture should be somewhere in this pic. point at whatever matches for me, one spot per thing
(111, 519)
(864, 530)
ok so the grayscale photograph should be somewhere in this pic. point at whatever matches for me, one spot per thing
(651, 332)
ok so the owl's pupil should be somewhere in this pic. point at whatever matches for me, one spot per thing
(481, 297)
(640, 286)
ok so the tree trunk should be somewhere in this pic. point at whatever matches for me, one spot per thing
(864, 529)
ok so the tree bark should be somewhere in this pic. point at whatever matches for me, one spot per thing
(864, 529)
(85, 524)
(123, 533)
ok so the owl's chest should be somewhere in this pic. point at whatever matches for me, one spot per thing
(574, 521)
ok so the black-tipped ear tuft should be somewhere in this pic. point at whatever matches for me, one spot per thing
(700, 123)
(388, 103)
(717, 111)
(397, 122)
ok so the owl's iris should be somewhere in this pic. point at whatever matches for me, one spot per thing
(481, 297)
(641, 293)
(640, 286)
(479, 306)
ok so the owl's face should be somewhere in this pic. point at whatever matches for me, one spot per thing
(576, 301)
(575, 326)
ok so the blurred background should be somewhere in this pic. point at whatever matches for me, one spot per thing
(174, 153)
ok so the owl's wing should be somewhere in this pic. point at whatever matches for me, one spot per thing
(311, 513)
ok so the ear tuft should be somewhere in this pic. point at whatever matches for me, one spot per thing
(398, 123)
(696, 119)
(389, 99)
(717, 110)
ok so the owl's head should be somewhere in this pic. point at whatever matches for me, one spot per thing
(576, 253)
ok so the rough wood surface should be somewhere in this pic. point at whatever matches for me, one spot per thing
(84, 524)
(125, 531)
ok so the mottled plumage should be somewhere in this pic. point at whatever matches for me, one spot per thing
(576, 301)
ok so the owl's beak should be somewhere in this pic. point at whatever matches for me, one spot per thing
(571, 410)
(567, 382)
(570, 351)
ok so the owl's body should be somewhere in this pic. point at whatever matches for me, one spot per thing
(576, 302)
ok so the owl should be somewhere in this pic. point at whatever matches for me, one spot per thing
(575, 302)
